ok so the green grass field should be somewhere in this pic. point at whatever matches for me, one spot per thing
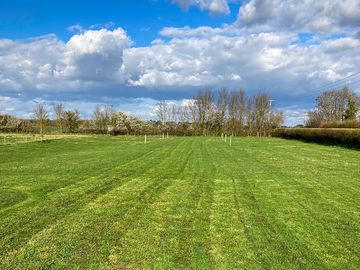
(178, 203)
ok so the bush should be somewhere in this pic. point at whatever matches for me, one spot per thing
(346, 137)
(341, 124)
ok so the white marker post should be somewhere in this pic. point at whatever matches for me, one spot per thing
(230, 140)
(225, 138)
(163, 136)
(145, 139)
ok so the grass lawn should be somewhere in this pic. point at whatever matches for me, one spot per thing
(178, 203)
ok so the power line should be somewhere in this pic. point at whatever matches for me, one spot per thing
(336, 84)
(340, 81)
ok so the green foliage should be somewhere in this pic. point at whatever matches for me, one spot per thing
(351, 111)
(71, 121)
(179, 203)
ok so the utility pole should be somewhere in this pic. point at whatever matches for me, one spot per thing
(270, 103)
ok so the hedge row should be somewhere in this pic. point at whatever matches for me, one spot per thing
(341, 124)
(345, 137)
(18, 130)
(31, 129)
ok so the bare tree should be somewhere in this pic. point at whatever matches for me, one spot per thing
(250, 116)
(183, 112)
(41, 115)
(332, 105)
(233, 111)
(104, 118)
(242, 110)
(313, 119)
(276, 120)
(221, 109)
(262, 113)
(162, 111)
(173, 112)
(205, 110)
(59, 111)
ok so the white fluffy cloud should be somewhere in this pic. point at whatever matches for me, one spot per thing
(307, 15)
(214, 6)
(232, 58)
(191, 58)
(260, 51)
(95, 55)
(47, 63)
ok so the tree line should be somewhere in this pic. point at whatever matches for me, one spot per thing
(223, 112)
(207, 113)
(335, 108)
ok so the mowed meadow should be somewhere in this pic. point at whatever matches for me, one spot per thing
(101, 202)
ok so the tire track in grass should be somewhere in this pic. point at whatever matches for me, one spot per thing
(304, 250)
(73, 236)
(139, 239)
(14, 230)
(269, 244)
(241, 219)
(160, 230)
(34, 195)
(54, 164)
(257, 217)
(128, 214)
(338, 155)
(345, 240)
(231, 248)
(299, 160)
(308, 218)
(193, 233)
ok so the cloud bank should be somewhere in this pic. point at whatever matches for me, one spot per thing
(286, 48)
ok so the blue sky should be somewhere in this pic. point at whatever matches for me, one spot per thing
(131, 53)
(142, 19)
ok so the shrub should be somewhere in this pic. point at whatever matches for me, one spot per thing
(341, 124)
(346, 137)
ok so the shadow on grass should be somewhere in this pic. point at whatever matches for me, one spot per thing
(355, 147)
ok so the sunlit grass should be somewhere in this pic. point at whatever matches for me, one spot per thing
(101, 202)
